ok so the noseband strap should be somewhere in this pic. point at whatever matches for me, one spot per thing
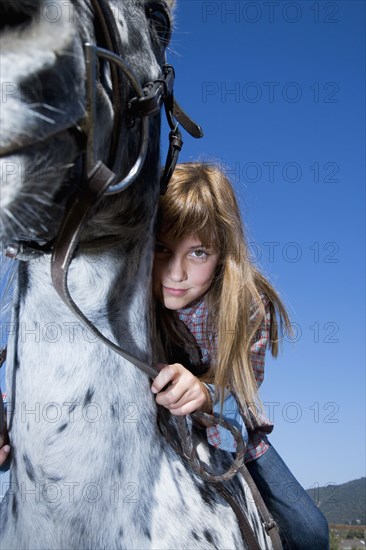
(108, 38)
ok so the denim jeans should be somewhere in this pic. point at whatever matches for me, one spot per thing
(301, 524)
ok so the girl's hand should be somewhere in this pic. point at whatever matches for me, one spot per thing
(184, 395)
(4, 447)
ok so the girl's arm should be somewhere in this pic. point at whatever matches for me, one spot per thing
(218, 436)
(185, 393)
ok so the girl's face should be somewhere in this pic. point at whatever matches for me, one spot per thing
(183, 270)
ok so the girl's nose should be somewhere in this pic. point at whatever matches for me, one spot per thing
(177, 271)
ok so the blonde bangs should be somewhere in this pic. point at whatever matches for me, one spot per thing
(189, 209)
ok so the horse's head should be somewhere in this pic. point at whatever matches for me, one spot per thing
(45, 119)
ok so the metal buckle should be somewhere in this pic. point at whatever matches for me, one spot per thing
(270, 524)
(155, 95)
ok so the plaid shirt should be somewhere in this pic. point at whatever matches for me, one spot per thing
(195, 318)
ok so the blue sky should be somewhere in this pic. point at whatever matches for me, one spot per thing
(279, 90)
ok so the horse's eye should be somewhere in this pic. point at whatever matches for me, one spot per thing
(160, 20)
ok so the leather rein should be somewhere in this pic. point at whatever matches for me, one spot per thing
(102, 180)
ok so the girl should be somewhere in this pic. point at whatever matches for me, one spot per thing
(216, 315)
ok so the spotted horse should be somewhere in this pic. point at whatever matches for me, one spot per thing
(82, 86)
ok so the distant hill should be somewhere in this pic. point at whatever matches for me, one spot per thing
(344, 503)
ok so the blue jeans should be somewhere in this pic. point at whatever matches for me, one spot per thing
(301, 524)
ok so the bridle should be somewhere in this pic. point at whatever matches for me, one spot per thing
(147, 102)
(102, 179)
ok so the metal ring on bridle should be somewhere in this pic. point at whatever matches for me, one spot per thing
(91, 54)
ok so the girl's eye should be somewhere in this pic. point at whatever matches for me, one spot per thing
(199, 253)
(160, 249)
(159, 20)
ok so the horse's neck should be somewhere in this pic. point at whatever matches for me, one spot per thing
(62, 361)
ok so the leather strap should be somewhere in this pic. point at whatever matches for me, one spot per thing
(65, 247)
(105, 24)
(269, 523)
(188, 124)
(244, 525)
(177, 434)
(3, 356)
(2, 406)
(175, 146)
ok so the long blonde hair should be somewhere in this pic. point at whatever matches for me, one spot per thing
(200, 201)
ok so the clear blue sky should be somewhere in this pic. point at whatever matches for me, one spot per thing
(279, 90)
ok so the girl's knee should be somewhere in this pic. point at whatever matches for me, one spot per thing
(313, 535)
(321, 537)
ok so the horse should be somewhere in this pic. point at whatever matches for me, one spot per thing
(90, 466)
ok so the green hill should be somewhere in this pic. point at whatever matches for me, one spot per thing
(344, 503)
